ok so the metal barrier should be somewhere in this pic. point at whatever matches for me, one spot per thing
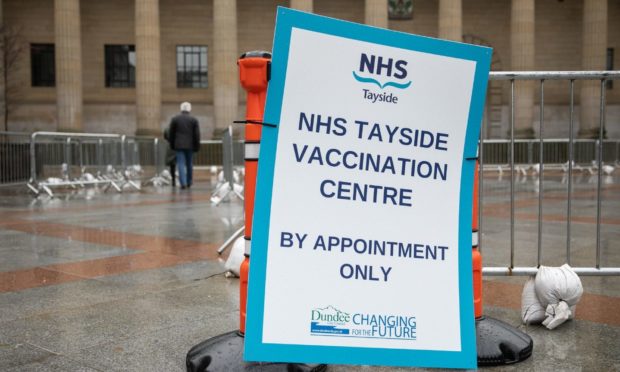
(75, 149)
(14, 158)
(144, 158)
(585, 151)
(496, 152)
(227, 185)
(45, 160)
(66, 157)
(211, 153)
(570, 145)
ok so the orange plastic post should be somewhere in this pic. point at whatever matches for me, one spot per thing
(476, 256)
(254, 76)
(251, 169)
(474, 218)
(244, 272)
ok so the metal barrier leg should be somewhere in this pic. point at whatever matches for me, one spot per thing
(134, 185)
(116, 186)
(33, 189)
(230, 240)
(47, 190)
(216, 199)
(239, 195)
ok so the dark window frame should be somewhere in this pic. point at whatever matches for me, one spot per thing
(193, 72)
(119, 72)
(42, 65)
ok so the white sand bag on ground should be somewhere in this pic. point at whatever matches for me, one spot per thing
(555, 284)
(532, 312)
(557, 314)
(559, 290)
(236, 257)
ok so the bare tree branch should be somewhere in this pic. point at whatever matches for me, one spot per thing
(12, 48)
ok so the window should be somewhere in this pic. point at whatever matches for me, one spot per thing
(610, 66)
(120, 66)
(191, 66)
(42, 65)
(400, 9)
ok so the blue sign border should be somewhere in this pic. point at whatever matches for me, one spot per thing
(255, 349)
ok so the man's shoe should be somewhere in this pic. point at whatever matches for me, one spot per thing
(183, 187)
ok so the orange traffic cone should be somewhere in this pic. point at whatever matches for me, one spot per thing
(497, 342)
(225, 352)
(254, 76)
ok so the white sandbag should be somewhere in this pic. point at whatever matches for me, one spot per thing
(555, 284)
(532, 312)
(236, 257)
(54, 180)
(557, 314)
(236, 177)
(88, 177)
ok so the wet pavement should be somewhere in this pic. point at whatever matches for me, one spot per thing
(129, 282)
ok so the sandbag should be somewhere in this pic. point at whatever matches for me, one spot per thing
(557, 314)
(236, 257)
(532, 312)
(558, 289)
(555, 284)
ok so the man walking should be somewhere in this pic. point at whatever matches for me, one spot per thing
(185, 140)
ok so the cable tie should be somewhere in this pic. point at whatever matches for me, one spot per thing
(254, 122)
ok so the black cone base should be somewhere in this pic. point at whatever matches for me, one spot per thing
(225, 353)
(500, 343)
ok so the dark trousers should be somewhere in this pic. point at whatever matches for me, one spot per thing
(173, 171)
(184, 162)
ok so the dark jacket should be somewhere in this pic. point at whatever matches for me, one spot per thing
(171, 157)
(184, 132)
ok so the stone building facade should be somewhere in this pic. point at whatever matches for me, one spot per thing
(544, 35)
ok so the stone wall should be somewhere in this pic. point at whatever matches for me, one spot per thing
(190, 22)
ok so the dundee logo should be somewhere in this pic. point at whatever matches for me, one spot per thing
(330, 321)
(392, 72)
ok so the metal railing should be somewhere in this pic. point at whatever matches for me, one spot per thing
(569, 77)
(46, 160)
(556, 151)
(67, 156)
(14, 158)
(211, 153)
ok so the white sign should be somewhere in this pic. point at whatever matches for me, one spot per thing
(361, 245)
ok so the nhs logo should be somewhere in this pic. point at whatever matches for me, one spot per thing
(383, 72)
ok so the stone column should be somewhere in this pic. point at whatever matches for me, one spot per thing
(376, 13)
(522, 59)
(3, 123)
(148, 68)
(305, 5)
(68, 51)
(451, 20)
(594, 49)
(225, 54)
